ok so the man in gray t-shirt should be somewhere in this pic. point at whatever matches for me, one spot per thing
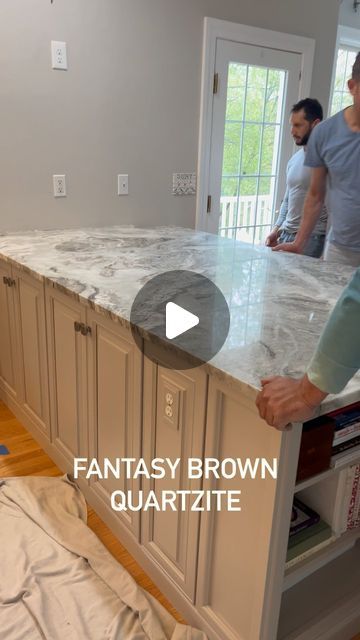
(305, 115)
(333, 153)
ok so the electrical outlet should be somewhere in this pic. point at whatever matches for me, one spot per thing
(123, 184)
(59, 186)
(58, 55)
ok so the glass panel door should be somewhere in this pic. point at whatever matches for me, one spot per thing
(250, 146)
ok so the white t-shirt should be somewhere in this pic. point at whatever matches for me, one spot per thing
(297, 185)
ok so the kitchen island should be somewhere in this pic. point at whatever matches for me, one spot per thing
(71, 371)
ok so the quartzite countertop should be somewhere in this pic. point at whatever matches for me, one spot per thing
(278, 302)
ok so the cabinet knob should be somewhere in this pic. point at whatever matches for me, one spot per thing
(11, 282)
(85, 330)
(77, 326)
(6, 280)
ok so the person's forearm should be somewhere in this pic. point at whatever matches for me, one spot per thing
(284, 208)
(282, 215)
(312, 209)
(337, 357)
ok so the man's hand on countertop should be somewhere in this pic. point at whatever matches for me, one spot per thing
(284, 400)
(290, 247)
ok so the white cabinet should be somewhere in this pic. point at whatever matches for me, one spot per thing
(173, 427)
(9, 352)
(233, 591)
(68, 375)
(23, 364)
(95, 389)
(114, 406)
(30, 305)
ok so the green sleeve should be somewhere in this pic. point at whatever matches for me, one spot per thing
(337, 357)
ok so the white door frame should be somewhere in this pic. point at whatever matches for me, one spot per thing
(214, 29)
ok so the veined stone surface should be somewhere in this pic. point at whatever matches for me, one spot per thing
(278, 302)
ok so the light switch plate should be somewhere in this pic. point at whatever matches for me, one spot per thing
(123, 184)
(184, 184)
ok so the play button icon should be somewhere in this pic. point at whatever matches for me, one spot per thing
(184, 315)
(178, 320)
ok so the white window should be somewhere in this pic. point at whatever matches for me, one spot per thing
(341, 97)
(348, 45)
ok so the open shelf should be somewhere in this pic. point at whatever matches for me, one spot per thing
(329, 596)
(352, 458)
(319, 559)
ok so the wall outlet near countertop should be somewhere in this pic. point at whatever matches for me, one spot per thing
(58, 55)
(59, 184)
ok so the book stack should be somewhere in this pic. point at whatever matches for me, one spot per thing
(347, 506)
(308, 533)
(346, 443)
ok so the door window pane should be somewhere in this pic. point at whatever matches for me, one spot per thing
(255, 97)
(232, 148)
(255, 94)
(251, 149)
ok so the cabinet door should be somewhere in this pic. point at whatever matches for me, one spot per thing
(174, 422)
(9, 359)
(30, 304)
(242, 554)
(67, 374)
(115, 385)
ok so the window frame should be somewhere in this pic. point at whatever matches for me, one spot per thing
(347, 38)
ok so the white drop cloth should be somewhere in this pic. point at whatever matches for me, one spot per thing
(58, 581)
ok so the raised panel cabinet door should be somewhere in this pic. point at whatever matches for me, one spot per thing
(67, 374)
(30, 302)
(115, 402)
(173, 427)
(9, 365)
(242, 553)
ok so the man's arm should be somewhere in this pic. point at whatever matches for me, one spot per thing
(336, 360)
(271, 239)
(284, 208)
(337, 357)
(314, 202)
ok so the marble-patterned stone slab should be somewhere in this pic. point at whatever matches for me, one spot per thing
(279, 303)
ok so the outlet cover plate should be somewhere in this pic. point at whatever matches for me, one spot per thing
(58, 55)
(59, 184)
(184, 184)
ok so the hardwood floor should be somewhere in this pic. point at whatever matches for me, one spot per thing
(28, 458)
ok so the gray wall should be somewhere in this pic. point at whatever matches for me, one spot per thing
(129, 102)
(348, 17)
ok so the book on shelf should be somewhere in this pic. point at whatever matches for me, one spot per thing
(353, 514)
(344, 418)
(347, 502)
(306, 541)
(347, 433)
(345, 445)
(302, 517)
(296, 555)
(345, 457)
